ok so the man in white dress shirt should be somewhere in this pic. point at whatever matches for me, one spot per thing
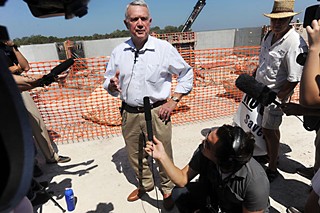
(143, 66)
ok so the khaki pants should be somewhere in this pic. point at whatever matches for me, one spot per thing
(39, 129)
(134, 130)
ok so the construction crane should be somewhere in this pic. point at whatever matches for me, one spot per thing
(196, 10)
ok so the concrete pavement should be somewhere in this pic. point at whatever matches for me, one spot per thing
(101, 177)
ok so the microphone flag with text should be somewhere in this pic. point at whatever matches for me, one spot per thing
(258, 91)
(50, 77)
(148, 117)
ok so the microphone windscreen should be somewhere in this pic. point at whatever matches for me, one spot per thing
(62, 67)
(258, 91)
(49, 78)
(250, 86)
(301, 58)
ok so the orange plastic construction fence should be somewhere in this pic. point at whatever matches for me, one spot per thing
(79, 109)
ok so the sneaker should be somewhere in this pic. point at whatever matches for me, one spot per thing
(307, 172)
(62, 159)
(37, 172)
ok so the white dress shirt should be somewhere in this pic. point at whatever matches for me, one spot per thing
(148, 72)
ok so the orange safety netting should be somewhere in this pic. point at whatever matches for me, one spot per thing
(79, 109)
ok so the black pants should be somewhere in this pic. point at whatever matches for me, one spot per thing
(194, 196)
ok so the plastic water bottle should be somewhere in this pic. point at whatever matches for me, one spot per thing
(68, 194)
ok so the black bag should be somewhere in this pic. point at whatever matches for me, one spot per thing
(311, 123)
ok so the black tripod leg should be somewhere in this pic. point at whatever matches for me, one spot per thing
(49, 195)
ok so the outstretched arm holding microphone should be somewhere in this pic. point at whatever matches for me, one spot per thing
(310, 102)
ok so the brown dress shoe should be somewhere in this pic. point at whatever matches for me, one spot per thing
(168, 203)
(136, 194)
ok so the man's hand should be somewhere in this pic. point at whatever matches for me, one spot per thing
(61, 77)
(166, 109)
(155, 149)
(15, 69)
(114, 83)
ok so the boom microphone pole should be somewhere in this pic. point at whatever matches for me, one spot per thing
(148, 117)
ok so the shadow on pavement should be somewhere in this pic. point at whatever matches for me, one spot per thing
(52, 170)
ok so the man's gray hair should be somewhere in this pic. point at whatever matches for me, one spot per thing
(136, 3)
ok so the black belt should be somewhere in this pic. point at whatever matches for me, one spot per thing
(132, 109)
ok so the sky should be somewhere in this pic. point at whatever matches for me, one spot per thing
(106, 16)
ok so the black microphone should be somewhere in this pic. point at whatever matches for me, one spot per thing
(258, 91)
(136, 56)
(301, 58)
(148, 117)
(49, 78)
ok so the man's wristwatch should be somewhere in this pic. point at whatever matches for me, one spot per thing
(175, 99)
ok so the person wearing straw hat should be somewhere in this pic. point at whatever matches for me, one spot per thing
(279, 71)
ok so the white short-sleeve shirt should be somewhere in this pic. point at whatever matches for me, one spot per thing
(277, 62)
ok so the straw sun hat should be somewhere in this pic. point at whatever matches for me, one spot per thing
(282, 9)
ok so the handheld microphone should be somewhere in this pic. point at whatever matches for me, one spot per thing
(148, 117)
(258, 91)
(49, 78)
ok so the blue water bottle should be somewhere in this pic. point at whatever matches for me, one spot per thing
(68, 194)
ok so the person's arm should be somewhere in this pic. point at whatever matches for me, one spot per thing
(180, 177)
(184, 73)
(286, 89)
(111, 76)
(27, 83)
(310, 83)
(298, 109)
(22, 61)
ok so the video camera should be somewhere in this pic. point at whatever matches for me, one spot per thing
(50, 8)
(16, 141)
(311, 13)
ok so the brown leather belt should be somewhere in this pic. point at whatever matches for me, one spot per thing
(132, 109)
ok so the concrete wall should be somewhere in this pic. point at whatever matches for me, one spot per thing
(215, 39)
(205, 40)
(102, 47)
(40, 52)
(248, 37)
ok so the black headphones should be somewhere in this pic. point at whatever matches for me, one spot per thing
(237, 139)
(233, 156)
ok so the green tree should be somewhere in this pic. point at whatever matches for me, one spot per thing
(39, 39)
